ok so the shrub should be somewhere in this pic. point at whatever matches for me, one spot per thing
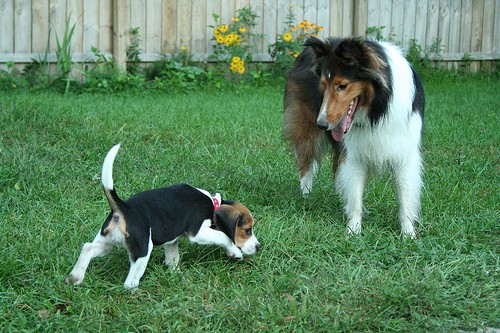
(290, 43)
(233, 42)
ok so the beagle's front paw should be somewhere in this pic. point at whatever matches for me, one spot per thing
(235, 253)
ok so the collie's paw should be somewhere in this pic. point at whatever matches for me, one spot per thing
(74, 279)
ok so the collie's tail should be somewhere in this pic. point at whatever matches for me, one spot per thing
(107, 178)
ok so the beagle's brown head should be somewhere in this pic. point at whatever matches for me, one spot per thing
(236, 221)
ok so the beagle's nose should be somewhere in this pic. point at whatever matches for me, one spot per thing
(322, 125)
(257, 247)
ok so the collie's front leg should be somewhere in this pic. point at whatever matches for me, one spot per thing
(350, 183)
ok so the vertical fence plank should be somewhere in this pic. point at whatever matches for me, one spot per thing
(153, 27)
(183, 23)
(432, 22)
(454, 36)
(121, 28)
(488, 25)
(466, 23)
(336, 23)
(421, 23)
(361, 22)
(40, 28)
(269, 20)
(373, 14)
(323, 15)
(397, 20)
(496, 31)
(477, 30)
(169, 26)
(21, 27)
(444, 24)
(310, 11)
(213, 7)
(7, 26)
(73, 12)
(106, 24)
(409, 22)
(138, 19)
(57, 21)
(90, 24)
(258, 9)
(199, 24)
(348, 19)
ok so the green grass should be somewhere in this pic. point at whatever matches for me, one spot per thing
(307, 278)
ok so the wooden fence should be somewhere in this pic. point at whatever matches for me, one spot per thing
(28, 28)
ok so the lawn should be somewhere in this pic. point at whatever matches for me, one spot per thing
(308, 277)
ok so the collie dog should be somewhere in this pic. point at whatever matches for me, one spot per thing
(362, 99)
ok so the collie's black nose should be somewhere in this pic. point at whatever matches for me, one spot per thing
(322, 125)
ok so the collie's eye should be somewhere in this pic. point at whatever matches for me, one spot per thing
(342, 86)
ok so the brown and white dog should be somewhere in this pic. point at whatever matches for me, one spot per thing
(161, 217)
(364, 100)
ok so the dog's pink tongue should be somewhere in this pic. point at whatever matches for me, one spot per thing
(338, 132)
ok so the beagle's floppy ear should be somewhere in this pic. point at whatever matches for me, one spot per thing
(226, 219)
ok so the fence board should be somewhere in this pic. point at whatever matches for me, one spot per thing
(409, 22)
(444, 24)
(7, 19)
(464, 26)
(22, 26)
(90, 24)
(169, 26)
(153, 27)
(361, 22)
(138, 20)
(397, 19)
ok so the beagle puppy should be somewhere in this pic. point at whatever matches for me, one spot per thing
(161, 217)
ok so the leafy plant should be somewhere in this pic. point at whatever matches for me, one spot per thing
(375, 32)
(233, 42)
(168, 73)
(289, 44)
(64, 54)
(134, 52)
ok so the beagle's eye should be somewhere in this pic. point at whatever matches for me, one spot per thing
(342, 86)
(248, 231)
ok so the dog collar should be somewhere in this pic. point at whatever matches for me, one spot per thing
(217, 201)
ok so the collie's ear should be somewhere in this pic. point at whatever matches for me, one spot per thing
(319, 46)
(356, 52)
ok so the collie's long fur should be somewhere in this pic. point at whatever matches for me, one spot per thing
(364, 100)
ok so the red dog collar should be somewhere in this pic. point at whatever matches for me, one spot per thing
(217, 201)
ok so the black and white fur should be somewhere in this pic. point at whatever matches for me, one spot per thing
(364, 100)
(161, 217)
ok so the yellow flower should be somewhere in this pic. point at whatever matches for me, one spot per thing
(217, 31)
(219, 39)
(183, 48)
(223, 28)
(295, 55)
(287, 37)
(241, 70)
(293, 28)
(235, 59)
(235, 19)
(243, 30)
(302, 25)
